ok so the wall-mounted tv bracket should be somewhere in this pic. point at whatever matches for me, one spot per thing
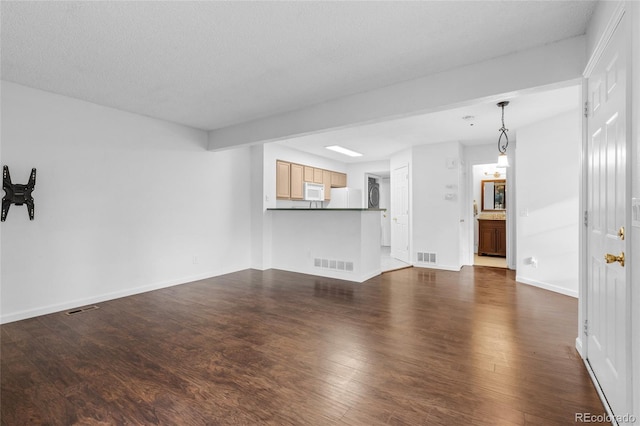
(16, 193)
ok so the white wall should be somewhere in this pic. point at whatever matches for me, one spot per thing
(260, 225)
(598, 23)
(436, 220)
(123, 204)
(547, 180)
(301, 236)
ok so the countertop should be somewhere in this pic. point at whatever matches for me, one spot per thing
(492, 216)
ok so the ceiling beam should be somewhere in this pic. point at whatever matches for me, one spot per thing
(542, 66)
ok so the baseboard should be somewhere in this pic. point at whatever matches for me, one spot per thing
(441, 267)
(547, 286)
(370, 275)
(579, 347)
(50, 309)
(329, 273)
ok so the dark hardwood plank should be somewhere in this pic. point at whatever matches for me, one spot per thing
(414, 346)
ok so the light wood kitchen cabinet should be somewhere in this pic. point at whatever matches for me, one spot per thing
(326, 180)
(291, 177)
(308, 173)
(338, 180)
(492, 237)
(297, 181)
(312, 174)
(283, 179)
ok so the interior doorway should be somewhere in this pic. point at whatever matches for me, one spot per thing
(400, 214)
(489, 189)
(387, 262)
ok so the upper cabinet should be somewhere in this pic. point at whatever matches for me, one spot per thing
(290, 179)
(308, 173)
(338, 180)
(283, 180)
(297, 181)
(326, 180)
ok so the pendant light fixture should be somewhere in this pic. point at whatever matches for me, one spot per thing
(503, 161)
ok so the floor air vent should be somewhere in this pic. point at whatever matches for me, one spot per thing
(80, 310)
(429, 258)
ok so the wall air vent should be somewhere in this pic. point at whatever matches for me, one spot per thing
(428, 258)
(337, 265)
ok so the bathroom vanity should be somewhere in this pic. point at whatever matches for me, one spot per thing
(492, 229)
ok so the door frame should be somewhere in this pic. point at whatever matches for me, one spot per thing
(511, 201)
(583, 298)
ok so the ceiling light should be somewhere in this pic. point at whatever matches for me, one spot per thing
(503, 161)
(342, 150)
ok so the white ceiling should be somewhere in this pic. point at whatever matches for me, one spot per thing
(213, 64)
(378, 141)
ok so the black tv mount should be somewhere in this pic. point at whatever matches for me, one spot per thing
(16, 193)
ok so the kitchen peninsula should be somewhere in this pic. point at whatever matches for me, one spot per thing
(335, 243)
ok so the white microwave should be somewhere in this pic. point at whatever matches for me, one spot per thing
(313, 191)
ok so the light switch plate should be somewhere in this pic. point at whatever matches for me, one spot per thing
(452, 163)
(635, 212)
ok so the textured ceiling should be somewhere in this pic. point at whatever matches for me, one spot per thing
(213, 64)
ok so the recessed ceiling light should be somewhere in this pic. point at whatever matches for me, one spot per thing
(342, 150)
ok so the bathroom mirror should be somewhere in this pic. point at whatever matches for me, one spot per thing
(494, 195)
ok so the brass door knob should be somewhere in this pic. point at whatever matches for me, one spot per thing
(610, 258)
(621, 232)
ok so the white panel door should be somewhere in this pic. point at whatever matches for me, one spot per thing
(607, 291)
(400, 214)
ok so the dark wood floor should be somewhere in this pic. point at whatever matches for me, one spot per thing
(415, 346)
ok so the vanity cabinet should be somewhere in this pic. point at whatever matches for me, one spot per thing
(492, 237)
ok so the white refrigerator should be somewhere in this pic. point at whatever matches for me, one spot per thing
(346, 198)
